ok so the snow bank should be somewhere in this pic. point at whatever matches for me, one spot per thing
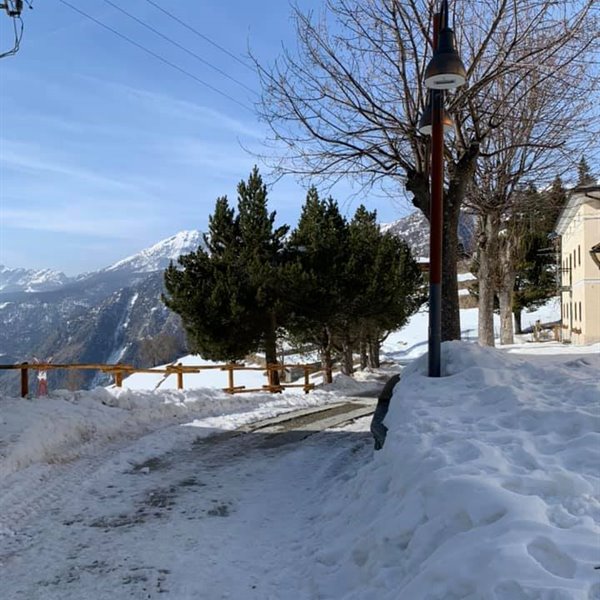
(67, 425)
(487, 487)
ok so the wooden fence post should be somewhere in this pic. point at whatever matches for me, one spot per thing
(24, 380)
(306, 381)
(230, 369)
(179, 378)
(119, 378)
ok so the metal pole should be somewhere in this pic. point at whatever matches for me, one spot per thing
(436, 220)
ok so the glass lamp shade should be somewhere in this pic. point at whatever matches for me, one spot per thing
(426, 121)
(445, 70)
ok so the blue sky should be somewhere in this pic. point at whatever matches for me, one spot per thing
(105, 150)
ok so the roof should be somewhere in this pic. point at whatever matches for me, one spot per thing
(579, 196)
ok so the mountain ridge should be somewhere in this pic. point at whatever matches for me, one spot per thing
(114, 314)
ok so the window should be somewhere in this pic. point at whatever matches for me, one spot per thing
(579, 255)
(575, 312)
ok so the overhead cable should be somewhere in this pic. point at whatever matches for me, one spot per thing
(178, 45)
(155, 55)
(201, 35)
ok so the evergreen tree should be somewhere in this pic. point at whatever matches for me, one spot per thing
(584, 175)
(229, 296)
(356, 284)
(536, 271)
(319, 249)
(207, 290)
(386, 282)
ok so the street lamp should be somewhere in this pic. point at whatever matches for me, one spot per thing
(445, 71)
(426, 120)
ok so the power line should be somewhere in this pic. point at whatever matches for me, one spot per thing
(178, 45)
(201, 35)
(155, 55)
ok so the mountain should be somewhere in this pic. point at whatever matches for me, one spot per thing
(30, 280)
(116, 314)
(158, 257)
(107, 316)
(414, 230)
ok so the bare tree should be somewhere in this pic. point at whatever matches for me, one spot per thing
(544, 128)
(347, 102)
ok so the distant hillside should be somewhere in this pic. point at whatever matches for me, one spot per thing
(111, 315)
(116, 314)
(30, 280)
(414, 230)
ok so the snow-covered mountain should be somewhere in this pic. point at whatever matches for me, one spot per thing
(414, 230)
(30, 280)
(105, 316)
(115, 314)
(158, 257)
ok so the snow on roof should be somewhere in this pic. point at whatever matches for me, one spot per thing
(578, 196)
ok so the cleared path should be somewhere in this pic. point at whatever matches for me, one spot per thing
(234, 515)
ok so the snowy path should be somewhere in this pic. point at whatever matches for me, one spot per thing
(198, 521)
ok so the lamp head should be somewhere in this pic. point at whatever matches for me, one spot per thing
(445, 70)
(425, 126)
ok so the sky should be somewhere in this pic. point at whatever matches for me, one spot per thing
(486, 487)
(105, 149)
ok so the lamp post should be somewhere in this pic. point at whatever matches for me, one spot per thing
(445, 71)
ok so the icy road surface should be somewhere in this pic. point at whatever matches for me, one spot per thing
(234, 515)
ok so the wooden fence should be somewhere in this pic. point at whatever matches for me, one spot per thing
(119, 371)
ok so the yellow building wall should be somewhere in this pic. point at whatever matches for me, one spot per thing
(581, 304)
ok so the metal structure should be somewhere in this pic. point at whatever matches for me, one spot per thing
(13, 9)
(445, 71)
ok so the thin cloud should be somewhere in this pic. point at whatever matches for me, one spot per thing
(26, 157)
(67, 220)
(177, 108)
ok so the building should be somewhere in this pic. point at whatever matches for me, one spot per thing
(579, 229)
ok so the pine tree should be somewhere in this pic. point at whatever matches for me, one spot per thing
(356, 283)
(386, 281)
(229, 296)
(536, 271)
(319, 249)
(584, 175)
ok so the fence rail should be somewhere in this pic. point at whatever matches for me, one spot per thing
(119, 371)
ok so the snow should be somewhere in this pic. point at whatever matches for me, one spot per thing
(487, 487)
(466, 277)
(30, 280)
(157, 257)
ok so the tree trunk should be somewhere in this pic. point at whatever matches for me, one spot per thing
(506, 321)
(364, 357)
(271, 349)
(487, 253)
(327, 364)
(347, 357)
(505, 294)
(374, 361)
(450, 303)
(326, 360)
(460, 174)
(507, 257)
(517, 314)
